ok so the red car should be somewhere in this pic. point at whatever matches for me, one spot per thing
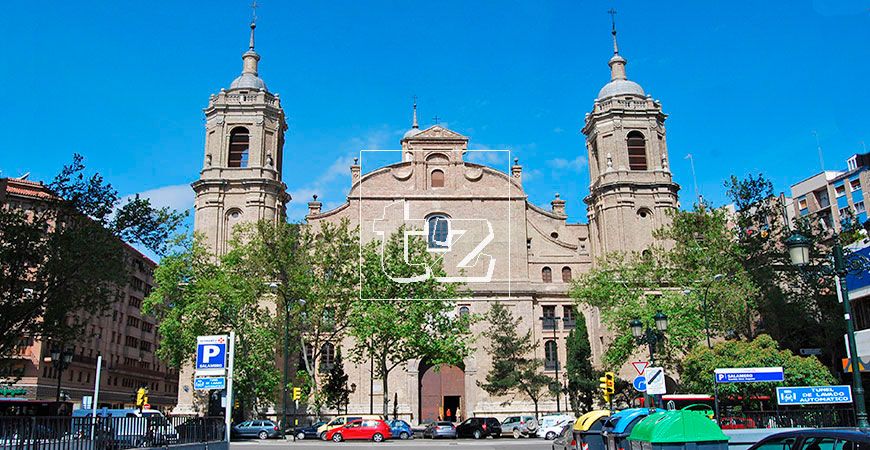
(736, 423)
(372, 429)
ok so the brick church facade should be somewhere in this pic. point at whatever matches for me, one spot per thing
(523, 255)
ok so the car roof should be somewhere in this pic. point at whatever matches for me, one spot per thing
(844, 433)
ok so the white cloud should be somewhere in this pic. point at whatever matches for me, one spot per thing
(176, 196)
(577, 164)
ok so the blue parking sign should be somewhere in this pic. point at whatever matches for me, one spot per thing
(211, 352)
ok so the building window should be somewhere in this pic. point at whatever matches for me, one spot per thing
(551, 358)
(822, 199)
(132, 322)
(802, 203)
(840, 190)
(568, 316)
(463, 311)
(239, 140)
(859, 207)
(135, 302)
(547, 275)
(327, 357)
(438, 232)
(437, 178)
(636, 151)
(855, 184)
(566, 274)
(549, 317)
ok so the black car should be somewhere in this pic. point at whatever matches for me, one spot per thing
(479, 428)
(307, 432)
(816, 439)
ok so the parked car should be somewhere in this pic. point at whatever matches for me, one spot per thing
(263, 429)
(369, 429)
(479, 427)
(551, 425)
(565, 439)
(519, 426)
(736, 423)
(437, 430)
(308, 432)
(815, 438)
(339, 421)
(401, 429)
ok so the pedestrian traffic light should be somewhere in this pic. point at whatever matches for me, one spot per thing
(610, 382)
(603, 386)
(297, 393)
(141, 396)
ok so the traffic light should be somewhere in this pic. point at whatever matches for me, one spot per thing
(610, 382)
(141, 396)
(297, 393)
(603, 387)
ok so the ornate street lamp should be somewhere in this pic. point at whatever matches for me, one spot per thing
(60, 360)
(799, 253)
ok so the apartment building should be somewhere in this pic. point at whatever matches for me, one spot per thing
(833, 196)
(124, 336)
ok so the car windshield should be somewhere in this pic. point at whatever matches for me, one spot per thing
(448, 423)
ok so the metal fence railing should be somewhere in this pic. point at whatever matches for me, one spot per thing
(791, 418)
(106, 433)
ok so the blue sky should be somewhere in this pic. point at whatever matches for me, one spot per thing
(124, 83)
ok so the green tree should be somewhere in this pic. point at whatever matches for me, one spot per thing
(335, 387)
(313, 271)
(64, 261)
(671, 279)
(582, 378)
(406, 321)
(513, 372)
(763, 351)
(198, 294)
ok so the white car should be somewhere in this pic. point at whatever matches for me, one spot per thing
(551, 425)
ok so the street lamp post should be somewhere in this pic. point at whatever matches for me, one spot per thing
(799, 253)
(650, 336)
(60, 360)
(555, 321)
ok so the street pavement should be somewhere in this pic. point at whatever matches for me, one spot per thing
(483, 444)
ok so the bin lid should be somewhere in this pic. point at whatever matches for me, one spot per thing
(677, 427)
(621, 420)
(586, 420)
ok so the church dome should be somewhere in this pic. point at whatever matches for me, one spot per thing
(620, 87)
(248, 81)
(411, 133)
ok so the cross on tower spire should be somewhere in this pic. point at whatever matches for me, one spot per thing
(436, 119)
(414, 125)
(253, 23)
(612, 13)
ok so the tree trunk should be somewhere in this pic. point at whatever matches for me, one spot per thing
(535, 401)
(385, 377)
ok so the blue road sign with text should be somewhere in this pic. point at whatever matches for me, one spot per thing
(211, 352)
(205, 383)
(813, 395)
(750, 375)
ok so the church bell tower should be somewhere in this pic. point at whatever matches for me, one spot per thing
(631, 188)
(240, 179)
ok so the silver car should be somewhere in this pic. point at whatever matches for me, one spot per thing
(565, 439)
(437, 430)
(519, 426)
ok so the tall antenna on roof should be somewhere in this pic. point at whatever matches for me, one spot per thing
(819, 146)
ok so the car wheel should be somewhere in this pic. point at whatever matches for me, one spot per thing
(403, 435)
(263, 435)
(337, 437)
(477, 434)
(323, 436)
(550, 436)
(517, 434)
(300, 436)
(378, 437)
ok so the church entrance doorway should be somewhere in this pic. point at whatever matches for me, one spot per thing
(442, 393)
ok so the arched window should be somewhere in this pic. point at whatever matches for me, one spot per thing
(551, 358)
(547, 275)
(239, 140)
(438, 231)
(636, 151)
(463, 311)
(566, 274)
(327, 356)
(437, 178)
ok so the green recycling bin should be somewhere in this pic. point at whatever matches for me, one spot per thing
(678, 430)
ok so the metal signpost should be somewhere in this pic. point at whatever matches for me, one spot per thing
(813, 395)
(96, 399)
(214, 369)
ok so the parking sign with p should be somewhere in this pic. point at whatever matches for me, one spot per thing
(211, 352)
